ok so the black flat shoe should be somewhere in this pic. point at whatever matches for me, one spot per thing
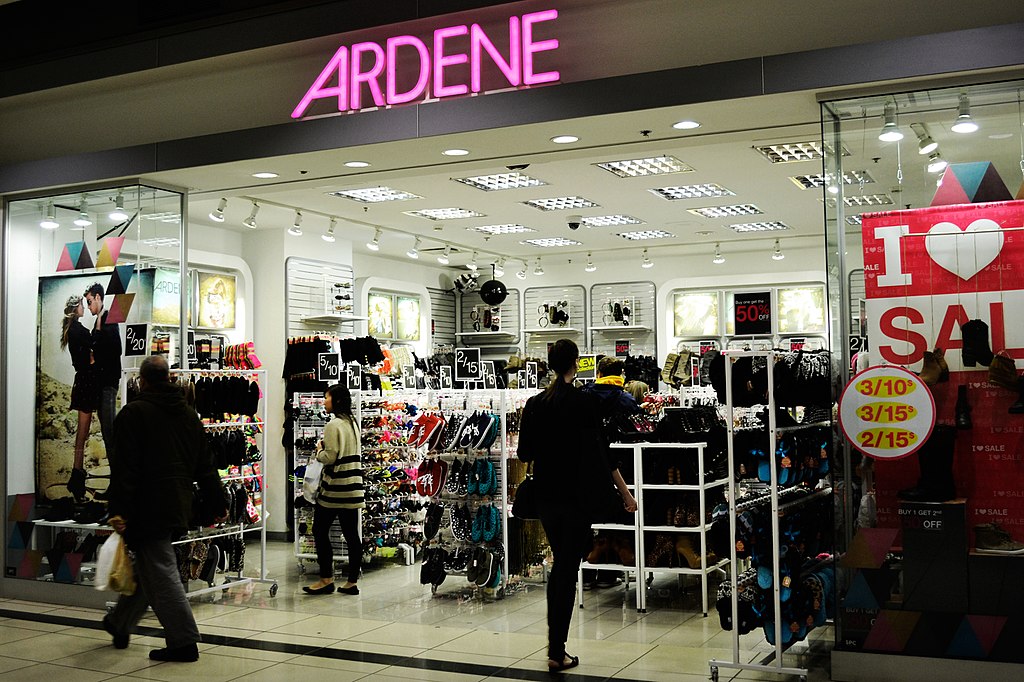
(182, 654)
(349, 590)
(326, 589)
(564, 664)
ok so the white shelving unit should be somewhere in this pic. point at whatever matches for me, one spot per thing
(639, 528)
(623, 328)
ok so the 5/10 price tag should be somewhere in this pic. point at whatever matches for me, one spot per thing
(136, 340)
(887, 412)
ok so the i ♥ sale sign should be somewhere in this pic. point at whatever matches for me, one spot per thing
(927, 272)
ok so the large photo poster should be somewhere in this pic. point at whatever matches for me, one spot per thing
(74, 366)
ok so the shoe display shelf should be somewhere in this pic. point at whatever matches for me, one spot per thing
(623, 311)
(553, 312)
(781, 503)
(684, 535)
(320, 294)
(308, 428)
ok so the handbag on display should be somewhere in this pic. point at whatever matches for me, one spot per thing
(209, 503)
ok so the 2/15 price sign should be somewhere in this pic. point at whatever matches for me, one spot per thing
(752, 313)
(467, 364)
(887, 412)
(136, 340)
(328, 367)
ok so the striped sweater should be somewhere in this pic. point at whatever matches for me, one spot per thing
(341, 484)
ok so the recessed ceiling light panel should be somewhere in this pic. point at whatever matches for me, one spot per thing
(560, 203)
(511, 228)
(490, 183)
(817, 180)
(645, 234)
(551, 242)
(161, 241)
(356, 164)
(565, 139)
(686, 124)
(863, 200)
(789, 152)
(707, 189)
(375, 195)
(760, 226)
(655, 165)
(853, 220)
(455, 152)
(726, 211)
(444, 213)
(611, 220)
(264, 175)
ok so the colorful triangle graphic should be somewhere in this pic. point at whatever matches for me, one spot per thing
(120, 279)
(868, 548)
(22, 507)
(859, 596)
(21, 535)
(84, 259)
(987, 629)
(965, 643)
(970, 183)
(69, 256)
(892, 630)
(119, 308)
(109, 252)
(1020, 192)
(28, 567)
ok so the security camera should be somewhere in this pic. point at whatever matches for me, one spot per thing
(574, 221)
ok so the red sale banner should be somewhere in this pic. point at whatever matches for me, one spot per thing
(927, 272)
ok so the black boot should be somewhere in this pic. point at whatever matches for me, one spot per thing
(1018, 407)
(936, 461)
(976, 349)
(963, 409)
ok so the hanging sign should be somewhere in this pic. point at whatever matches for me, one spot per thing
(352, 377)
(467, 364)
(136, 340)
(446, 376)
(192, 346)
(532, 378)
(887, 412)
(587, 367)
(622, 348)
(521, 378)
(490, 378)
(858, 343)
(328, 367)
(752, 313)
(797, 343)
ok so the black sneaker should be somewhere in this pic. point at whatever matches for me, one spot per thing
(120, 641)
(181, 654)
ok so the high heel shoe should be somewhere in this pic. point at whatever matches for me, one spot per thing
(326, 589)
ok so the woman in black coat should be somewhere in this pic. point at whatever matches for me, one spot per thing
(560, 433)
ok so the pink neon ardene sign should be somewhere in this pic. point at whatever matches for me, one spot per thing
(441, 64)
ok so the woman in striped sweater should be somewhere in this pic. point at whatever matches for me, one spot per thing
(341, 493)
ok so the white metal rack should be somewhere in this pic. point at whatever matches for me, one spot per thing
(639, 528)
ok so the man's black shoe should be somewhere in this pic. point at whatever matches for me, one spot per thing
(120, 641)
(182, 654)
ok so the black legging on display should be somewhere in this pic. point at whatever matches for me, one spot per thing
(570, 537)
(323, 518)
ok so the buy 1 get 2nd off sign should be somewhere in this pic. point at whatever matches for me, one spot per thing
(887, 412)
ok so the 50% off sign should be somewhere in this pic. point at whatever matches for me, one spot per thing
(887, 412)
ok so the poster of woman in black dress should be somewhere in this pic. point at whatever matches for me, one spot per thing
(85, 390)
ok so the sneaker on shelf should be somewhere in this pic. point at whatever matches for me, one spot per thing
(990, 538)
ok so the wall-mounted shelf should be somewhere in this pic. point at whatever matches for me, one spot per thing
(554, 330)
(506, 335)
(637, 328)
(332, 319)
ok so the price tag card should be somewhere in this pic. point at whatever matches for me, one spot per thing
(887, 412)
(136, 340)
(752, 313)
(532, 380)
(467, 364)
(490, 378)
(328, 367)
(705, 346)
(446, 376)
(192, 346)
(858, 344)
(354, 377)
(521, 378)
(622, 348)
(797, 343)
(587, 368)
(409, 372)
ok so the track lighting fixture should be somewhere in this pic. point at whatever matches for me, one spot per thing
(521, 274)
(329, 235)
(936, 164)
(646, 263)
(414, 252)
(890, 131)
(499, 267)
(296, 229)
(50, 221)
(250, 222)
(590, 264)
(118, 213)
(719, 258)
(777, 254)
(472, 265)
(925, 144)
(83, 219)
(445, 258)
(964, 122)
(375, 244)
(217, 215)
(538, 270)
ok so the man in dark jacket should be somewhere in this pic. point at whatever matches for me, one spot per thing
(106, 352)
(159, 450)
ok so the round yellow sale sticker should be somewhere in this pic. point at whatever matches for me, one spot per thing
(887, 412)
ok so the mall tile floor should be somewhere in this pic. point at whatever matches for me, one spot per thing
(394, 630)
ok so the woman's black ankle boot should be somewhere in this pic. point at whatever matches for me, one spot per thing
(963, 409)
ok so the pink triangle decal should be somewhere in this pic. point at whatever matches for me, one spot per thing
(950, 191)
(987, 629)
(869, 547)
(65, 263)
(882, 637)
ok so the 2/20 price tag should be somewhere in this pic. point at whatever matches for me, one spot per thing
(136, 340)
(887, 412)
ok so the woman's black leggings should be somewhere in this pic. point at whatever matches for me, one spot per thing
(570, 538)
(323, 517)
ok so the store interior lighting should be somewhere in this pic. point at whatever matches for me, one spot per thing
(521, 274)
(296, 229)
(329, 235)
(250, 222)
(374, 244)
(445, 258)
(50, 221)
(925, 144)
(590, 267)
(472, 265)
(777, 253)
(499, 267)
(538, 270)
(217, 215)
(936, 164)
(83, 219)
(719, 258)
(890, 131)
(646, 262)
(414, 252)
(118, 214)
(964, 122)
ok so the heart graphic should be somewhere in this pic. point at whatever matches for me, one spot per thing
(964, 252)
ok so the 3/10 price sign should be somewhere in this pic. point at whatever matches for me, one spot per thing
(328, 367)
(136, 340)
(887, 412)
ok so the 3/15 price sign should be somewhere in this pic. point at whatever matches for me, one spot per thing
(136, 340)
(752, 313)
(887, 412)
(328, 367)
